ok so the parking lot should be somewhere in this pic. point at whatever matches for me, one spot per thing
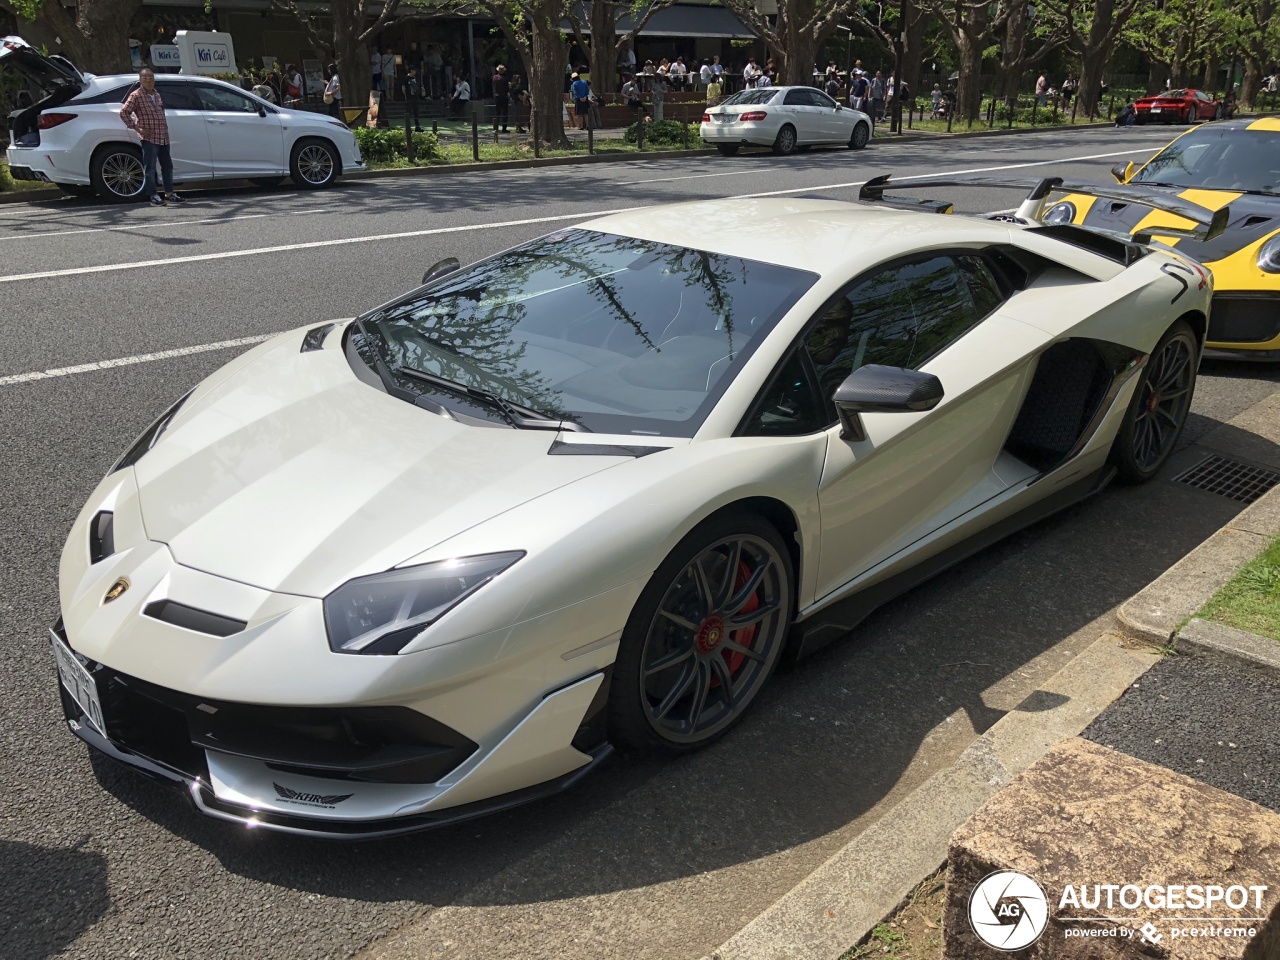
(114, 312)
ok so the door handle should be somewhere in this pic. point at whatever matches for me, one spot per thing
(213, 120)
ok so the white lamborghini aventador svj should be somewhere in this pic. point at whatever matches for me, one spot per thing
(380, 574)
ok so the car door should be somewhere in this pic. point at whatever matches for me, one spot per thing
(188, 140)
(245, 138)
(803, 115)
(836, 124)
(915, 472)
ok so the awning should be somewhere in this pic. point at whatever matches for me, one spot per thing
(713, 23)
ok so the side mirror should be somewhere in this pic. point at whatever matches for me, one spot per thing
(878, 389)
(440, 269)
(1122, 172)
(262, 111)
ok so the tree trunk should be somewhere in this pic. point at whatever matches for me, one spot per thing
(1251, 83)
(96, 37)
(1012, 59)
(546, 79)
(913, 52)
(604, 47)
(969, 84)
(1096, 51)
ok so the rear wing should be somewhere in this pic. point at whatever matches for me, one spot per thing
(1209, 223)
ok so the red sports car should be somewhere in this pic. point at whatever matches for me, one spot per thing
(1177, 106)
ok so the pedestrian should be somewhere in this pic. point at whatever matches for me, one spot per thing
(388, 74)
(859, 89)
(1068, 91)
(705, 74)
(580, 90)
(658, 90)
(630, 94)
(501, 97)
(333, 92)
(292, 86)
(771, 72)
(375, 69)
(461, 98)
(715, 90)
(833, 87)
(717, 70)
(1042, 89)
(143, 113)
(413, 96)
(935, 101)
(1125, 117)
(749, 73)
(877, 97)
(832, 70)
(520, 99)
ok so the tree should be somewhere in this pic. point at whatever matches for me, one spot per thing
(1180, 35)
(885, 29)
(94, 35)
(1258, 39)
(974, 24)
(798, 34)
(1027, 41)
(532, 27)
(602, 19)
(1092, 28)
(354, 26)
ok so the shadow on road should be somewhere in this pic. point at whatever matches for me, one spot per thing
(51, 896)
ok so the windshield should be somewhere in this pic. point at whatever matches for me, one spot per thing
(751, 97)
(1218, 158)
(617, 334)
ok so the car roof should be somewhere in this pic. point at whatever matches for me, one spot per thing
(821, 236)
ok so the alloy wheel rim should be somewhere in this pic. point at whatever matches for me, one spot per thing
(123, 175)
(860, 135)
(788, 140)
(1166, 398)
(714, 638)
(315, 164)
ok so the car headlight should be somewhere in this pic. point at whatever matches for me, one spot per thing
(1064, 212)
(150, 435)
(1269, 255)
(383, 612)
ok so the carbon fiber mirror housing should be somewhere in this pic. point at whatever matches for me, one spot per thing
(878, 389)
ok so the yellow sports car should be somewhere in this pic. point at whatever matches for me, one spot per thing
(1234, 162)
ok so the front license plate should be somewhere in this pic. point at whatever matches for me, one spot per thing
(78, 682)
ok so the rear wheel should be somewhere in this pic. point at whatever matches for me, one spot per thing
(785, 143)
(1159, 408)
(727, 149)
(860, 137)
(703, 638)
(314, 164)
(117, 173)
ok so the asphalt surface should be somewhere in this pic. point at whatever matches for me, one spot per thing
(648, 858)
(1207, 717)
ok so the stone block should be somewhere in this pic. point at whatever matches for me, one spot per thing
(1085, 816)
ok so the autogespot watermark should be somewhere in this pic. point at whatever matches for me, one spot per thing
(1009, 910)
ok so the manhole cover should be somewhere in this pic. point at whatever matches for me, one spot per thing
(1229, 478)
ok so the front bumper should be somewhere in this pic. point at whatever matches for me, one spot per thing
(1244, 326)
(147, 731)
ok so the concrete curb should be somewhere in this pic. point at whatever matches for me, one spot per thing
(842, 900)
(31, 196)
(1155, 614)
(1218, 639)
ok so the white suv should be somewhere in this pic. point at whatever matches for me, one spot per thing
(68, 131)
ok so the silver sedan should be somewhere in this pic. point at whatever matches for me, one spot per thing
(784, 118)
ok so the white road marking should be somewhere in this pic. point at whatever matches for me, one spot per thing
(290, 247)
(153, 225)
(692, 176)
(129, 361)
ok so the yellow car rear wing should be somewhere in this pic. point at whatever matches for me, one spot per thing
(1209, 223)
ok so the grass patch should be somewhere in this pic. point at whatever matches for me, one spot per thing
(1251, 599)
(913, 932)
(452, 154)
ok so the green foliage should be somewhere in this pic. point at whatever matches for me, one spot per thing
(1251, 599)
(387, 144)
(1183, 34)
(663, 133)
(1043, 115)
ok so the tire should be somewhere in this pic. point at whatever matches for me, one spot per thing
(785, 144)
(314, 164)
(1159, 408)
(266, 183)
(117, 174)
(860, 137)
(727, 149)
(678, 651)
(77, 190)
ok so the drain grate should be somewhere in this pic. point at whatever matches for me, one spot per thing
(1229, 478)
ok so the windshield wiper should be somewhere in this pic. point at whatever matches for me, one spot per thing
(519, 416)
(380, 366)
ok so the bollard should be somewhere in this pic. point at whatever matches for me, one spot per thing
(435, 128)
(533, 129)
(408, 139)
(640, 133)
(1055, 111)
(1035, 105)
(495, 126)
(684, 127)
(1012, 110)
(591, 138)
(911, 109)
(475, 136)
(1075, 102)
(951, 109)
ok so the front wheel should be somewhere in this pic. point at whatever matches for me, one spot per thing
(785, 143)
(703, 638)
(728, 149)
(314, 164)
(117, 173)
(1159, 408)
(860, 137)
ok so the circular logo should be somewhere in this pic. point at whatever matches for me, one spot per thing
(1008, 910)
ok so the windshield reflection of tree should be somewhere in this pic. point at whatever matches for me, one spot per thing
(468, 327)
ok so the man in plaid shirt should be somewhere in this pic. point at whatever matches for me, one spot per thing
(143, 113)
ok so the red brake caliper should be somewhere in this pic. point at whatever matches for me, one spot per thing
(746, 635)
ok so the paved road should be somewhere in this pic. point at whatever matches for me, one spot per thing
(647, 859)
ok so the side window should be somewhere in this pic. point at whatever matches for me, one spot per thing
(108, 96)
(798, 98)
(820, 99)
(225, 101)
(899, 316)
(788, 407)
(178, 96)
(983, 286)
